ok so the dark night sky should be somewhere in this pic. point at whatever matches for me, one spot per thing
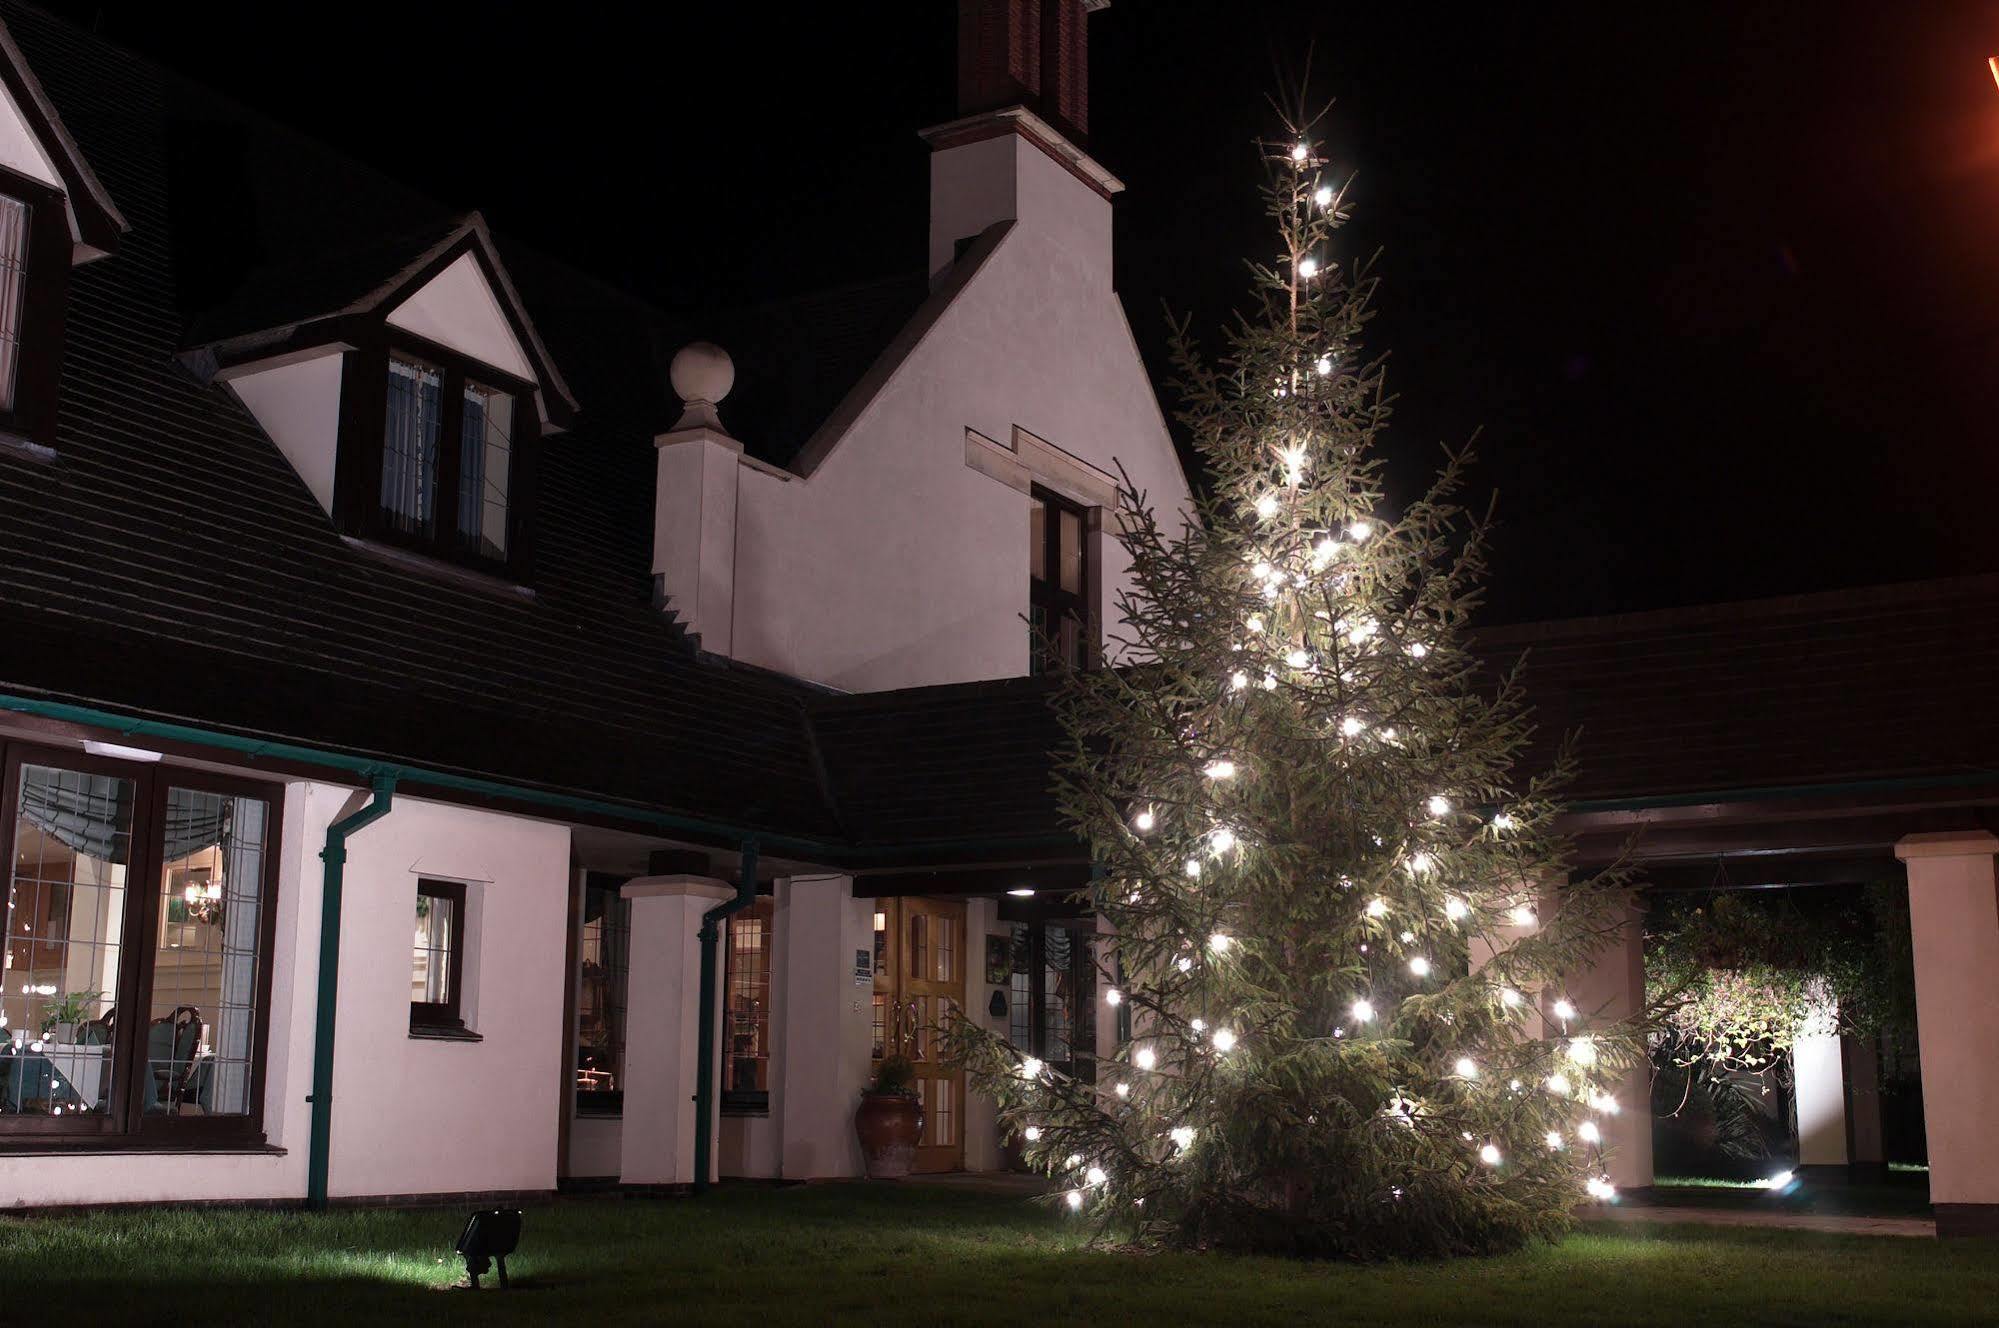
(1717, 282)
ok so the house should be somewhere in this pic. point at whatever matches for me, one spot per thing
(432, 681)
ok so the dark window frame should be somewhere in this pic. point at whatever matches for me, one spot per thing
(126, 1125)
(1047, 602)
(357, 501)
(447, 1015)
(44, 303)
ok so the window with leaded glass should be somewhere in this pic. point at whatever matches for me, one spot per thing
(437, 957)
(746, 1010)
(603, 967)
(137, 934)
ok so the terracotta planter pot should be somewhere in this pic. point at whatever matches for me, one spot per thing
(888, 1126)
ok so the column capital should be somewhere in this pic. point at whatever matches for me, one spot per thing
(678, 886)
(1947, 844)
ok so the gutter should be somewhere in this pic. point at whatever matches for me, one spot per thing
(334, 855)
(704, 1073)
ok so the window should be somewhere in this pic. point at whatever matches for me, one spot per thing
(1059, 616)
(603, 962)
(437, 957)
(746, 1011)
(431, 455)
(34, 279)
(138, 927)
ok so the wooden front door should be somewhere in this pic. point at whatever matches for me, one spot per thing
(919, 983)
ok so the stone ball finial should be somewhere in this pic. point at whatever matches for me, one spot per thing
(702, 371)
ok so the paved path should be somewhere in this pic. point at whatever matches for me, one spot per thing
(1726, 1217)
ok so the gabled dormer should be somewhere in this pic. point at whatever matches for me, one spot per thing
(54, 214)
(408, 388)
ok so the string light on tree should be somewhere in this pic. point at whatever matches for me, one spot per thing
(1317, 831)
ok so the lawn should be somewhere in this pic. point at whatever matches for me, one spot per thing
(858, 1253)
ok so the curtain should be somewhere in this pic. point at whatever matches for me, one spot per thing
(409, 445)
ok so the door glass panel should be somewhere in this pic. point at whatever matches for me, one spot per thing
(947, 951)
(919, 945)
(65, 920)
(880, 1022)
(202, 1025)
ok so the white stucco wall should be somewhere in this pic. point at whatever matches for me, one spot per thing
(458, 309)
(894, 563)
(826, 1018)
(20, 150)
(298, 405)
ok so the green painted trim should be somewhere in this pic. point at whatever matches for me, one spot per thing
(1772, 794)
(334, 855)
(704, 1068)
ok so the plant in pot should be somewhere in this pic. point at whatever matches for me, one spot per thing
(61, 1018)
(889, 1120)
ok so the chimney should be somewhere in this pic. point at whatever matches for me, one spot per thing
(1024, 118)
(1029, 53)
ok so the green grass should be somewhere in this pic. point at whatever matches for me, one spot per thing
(879, 1254)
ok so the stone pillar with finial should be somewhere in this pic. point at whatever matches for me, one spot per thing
(694, 505)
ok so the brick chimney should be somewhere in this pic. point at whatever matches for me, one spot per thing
(1030, 53)
(1024, 117)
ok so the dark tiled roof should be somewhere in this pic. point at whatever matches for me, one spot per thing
(1885, 683)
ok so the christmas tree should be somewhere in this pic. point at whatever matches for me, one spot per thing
(1337, 942)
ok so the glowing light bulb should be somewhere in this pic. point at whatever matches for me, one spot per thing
(1238, 680)
(1222, 769)
(1363, 1011)
(1222, 839)
(1324, 365)
(1406, 937)
(1418, 650)
(1377, 907)
(1503, 821)
(1467, 1068)
(1352, 726)
(1509, 997)
(1293, 458)
(1194, 868)
(1558, 1084)
(1112, 996)
(1439, 805)
(1582, 1050)
(1075, 1200)
(1588, 1132)
(1144, 821)
(1299, 152)
(1094, 1176)
(1269, 682)
(1220, 942)
(1298, 659)
(1266, 506)
(1554, 1138)
(1489, 1155)
(1323, 196)
(1420, 966)
(1600, 1188)
(1521, 915)
(1563, 1010)
(1031, 1133)
(1224, 1040)
(1198, 1025)
(1420, 863)
(1308, 268)
(1124, 1090)
(1030, 1068)
(1184, 963)
(1603, 1104)
(1454, 908)
(1144, 1058)
(1183, 1137)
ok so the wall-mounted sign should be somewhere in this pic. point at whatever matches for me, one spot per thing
(864, 968)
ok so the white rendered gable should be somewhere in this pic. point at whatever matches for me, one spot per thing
(20, 150)
(457, 309)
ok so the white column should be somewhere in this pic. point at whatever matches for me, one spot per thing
(1954, 921)
(1819, 1080)
(827, 1007)
(662, 1028)
(1610, 989)
(694, 531)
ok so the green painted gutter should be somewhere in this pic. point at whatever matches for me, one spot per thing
(704, 1071)
(334, 855)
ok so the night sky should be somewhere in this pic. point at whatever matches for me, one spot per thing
(1718, 284)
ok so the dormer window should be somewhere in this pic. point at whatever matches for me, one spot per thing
(34, 268)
